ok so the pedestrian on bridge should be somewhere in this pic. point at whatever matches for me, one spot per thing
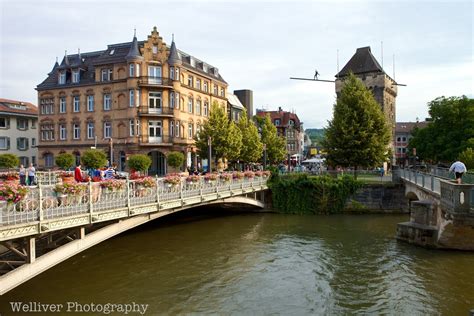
(458, 168)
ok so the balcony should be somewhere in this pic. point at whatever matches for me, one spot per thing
(164, 140)
(155, 82)
(145, 110)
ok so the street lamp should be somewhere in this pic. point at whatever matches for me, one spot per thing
(209, 153)
(264, 156)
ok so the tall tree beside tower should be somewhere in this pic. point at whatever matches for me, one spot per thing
(358, 135)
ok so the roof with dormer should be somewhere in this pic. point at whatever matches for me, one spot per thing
(362, 62)
(18, 107)
(117, 53)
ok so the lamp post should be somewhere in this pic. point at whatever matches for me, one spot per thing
(264, 156)
(209, 153)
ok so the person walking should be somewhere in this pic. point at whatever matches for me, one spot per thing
(31, 174)
(109, 173)
(458, 168)
(78, 174)
(22, 174)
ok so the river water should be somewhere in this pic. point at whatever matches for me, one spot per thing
(260, 263)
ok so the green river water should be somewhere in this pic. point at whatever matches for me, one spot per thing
(223, 262)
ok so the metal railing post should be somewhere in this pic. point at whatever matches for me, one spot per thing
(40, 207)
(128, 197)
(90, 202)
(157, 193)
(181, 192)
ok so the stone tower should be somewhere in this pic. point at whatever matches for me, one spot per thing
(365, 67)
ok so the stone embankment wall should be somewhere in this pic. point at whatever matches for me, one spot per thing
(378, 198)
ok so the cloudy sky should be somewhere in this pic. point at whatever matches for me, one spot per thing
(257, 45)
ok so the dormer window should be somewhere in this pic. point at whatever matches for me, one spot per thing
(291, 122)
(277, 122)
(155, 49)
(62, 77)
(75, 76)
(112, 51)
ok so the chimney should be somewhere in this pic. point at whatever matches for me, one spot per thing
(279, 109)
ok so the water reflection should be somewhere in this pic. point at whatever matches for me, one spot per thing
(263, 264)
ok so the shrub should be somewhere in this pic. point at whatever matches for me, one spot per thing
(300, 194)
(175, 159)
(139, 162)
(9, 161)
(467, 156)
(94, 159)
(65, 161)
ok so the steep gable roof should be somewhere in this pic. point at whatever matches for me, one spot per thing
(362, 62)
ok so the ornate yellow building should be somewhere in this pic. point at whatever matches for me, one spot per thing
(135, 97)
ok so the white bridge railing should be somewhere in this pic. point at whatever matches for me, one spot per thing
(43, 205)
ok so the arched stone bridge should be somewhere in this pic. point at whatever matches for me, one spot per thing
(441, 211)
(46, 228)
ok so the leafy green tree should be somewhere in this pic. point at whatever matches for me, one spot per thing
(276, 145)
(94, 158)
(139, 162)
(9, 161)
(450, 132)
(65, 160)
(467, 156)
(175, 159)
(226, 139)
(358, 135)
(252, 147)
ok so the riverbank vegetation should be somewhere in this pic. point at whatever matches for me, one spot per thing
(303, 194)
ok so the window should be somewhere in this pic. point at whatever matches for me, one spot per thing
(107, 130)
(33, 142)
(131, 70)
(205, 109)
(155, 49)
(277, 122)
(404, 139)
(62, 77)
(215, 89)
(154, 74)
(48, 160)
(33, 123)
(139, 93)
(190, 81)
(206, 88)
(137, 124)
(177, 103)
(190, 130)
(176, 128)
(47, 132)
(4, 143)
(62, 105)
(222, 92)
(154, 102)
(76, 76)
(90, 130)
(198, 107)
(90, 103)
(172, 98)
(76, 104)
(137, 72)
(132, 127)
(291, 122)
(131, 98)
(106, 74)
(62, 132)
(198, 84)
(176, 73)
(4, 122)
(22, 143)
(198, 129)
(33, 160)
(190, 104)
(21, 124)
(171, 128)
(47, 105)
(399, 139)
(76, 128)
(172, 73)
(154, 130)
(24, 161)
(107, 101)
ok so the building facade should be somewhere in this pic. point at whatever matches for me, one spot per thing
(246, 99)
(235, 109)
(289, 126)
(19, 130)
(403, 133)
(135, 97)
(366, 67)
